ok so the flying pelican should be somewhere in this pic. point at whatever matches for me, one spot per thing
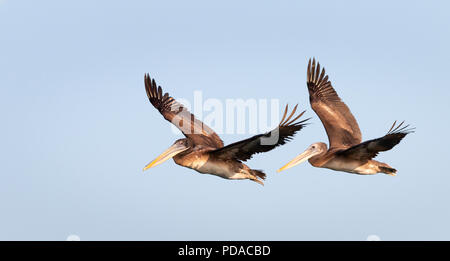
(346, 152)
(202, 149)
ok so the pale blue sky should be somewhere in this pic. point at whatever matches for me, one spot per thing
(77, 127)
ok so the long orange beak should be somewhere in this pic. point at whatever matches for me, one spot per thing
(308, 153)
(168, 154)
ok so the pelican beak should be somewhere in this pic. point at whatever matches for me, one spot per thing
(308, 153)
(168, 154)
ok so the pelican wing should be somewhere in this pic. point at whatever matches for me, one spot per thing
(245, 149)
(340, 125)
(179, 116)
(370, 149)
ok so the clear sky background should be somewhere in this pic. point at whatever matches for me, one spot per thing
(77, 128)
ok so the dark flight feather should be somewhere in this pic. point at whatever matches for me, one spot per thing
(370, 149)
(245, 149)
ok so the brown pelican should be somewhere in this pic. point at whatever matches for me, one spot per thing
(346, 152)
(202, 149)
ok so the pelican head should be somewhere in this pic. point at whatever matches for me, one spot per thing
(313, 150)
(178, 147)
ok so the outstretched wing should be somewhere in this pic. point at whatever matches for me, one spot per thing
(179, 116)
(340, 125)
(244, 150)
(370, 149)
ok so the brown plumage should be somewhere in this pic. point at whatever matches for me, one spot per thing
(346, 152)
(203, 150)
(340, 124)
(179, 116)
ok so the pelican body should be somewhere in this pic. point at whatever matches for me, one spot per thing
(201, 160)
(203, 151)
(346, 152)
